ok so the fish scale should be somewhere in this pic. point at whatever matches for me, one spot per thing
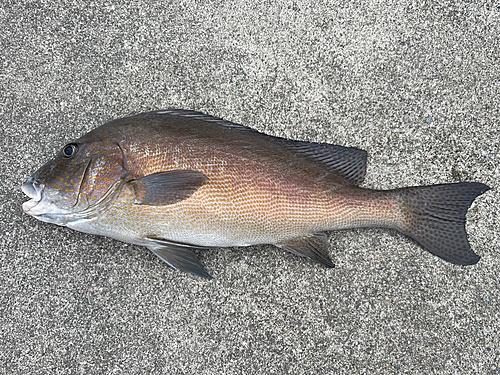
(177, 181)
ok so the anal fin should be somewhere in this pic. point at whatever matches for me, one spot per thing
(314, 247)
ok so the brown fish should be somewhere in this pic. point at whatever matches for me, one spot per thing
(177, 181)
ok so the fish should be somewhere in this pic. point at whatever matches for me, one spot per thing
(180, 181)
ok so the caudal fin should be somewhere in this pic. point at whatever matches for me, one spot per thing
(435, 218)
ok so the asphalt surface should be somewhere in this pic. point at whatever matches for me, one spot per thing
(415, 83)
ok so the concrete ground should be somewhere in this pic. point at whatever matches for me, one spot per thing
(415, 83)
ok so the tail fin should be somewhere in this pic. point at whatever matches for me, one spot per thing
(435, 218)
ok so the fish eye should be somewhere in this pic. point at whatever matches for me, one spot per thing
(69, 150)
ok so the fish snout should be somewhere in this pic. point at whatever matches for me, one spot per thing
(33, 188)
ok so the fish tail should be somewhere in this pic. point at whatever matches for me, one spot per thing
(434, 216)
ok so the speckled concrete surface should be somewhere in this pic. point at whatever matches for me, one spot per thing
(417, 85)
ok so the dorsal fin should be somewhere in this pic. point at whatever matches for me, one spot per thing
(201, 116)
(346, 162)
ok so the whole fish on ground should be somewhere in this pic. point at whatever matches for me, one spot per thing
(177, 181)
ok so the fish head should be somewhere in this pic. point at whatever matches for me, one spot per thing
(76, 184)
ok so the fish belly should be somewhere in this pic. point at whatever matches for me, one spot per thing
(266, 217)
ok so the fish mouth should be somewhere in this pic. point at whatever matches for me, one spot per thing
(33, 189)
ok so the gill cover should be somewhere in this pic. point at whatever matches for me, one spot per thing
(105, 170)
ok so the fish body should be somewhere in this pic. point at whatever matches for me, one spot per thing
(177, 181)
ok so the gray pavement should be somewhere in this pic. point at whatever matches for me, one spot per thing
(417, 84)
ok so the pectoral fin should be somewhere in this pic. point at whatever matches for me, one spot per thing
(163, 188)
(179, 256)
(314, 247)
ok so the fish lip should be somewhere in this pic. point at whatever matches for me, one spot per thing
(33, 189)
